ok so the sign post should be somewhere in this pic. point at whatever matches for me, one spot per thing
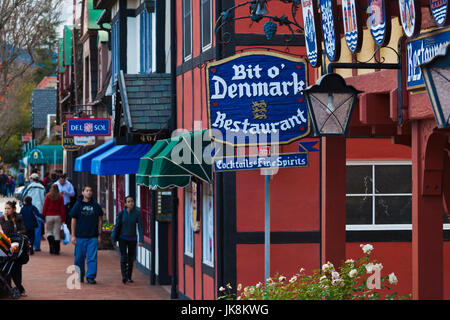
(256, 99)
(267, 225)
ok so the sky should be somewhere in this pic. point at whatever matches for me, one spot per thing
(67, 15)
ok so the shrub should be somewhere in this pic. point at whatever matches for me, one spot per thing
(353, 280)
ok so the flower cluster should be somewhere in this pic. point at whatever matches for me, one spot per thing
(351, 281)
(107, 227)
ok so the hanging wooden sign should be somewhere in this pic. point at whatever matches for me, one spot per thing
(352, 24)
(410, 17)
(313, 41)
(331, 39)
(380, 21)
(439, 9)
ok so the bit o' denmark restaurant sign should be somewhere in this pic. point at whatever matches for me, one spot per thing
(257, 95)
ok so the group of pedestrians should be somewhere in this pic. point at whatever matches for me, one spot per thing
(7, 184)
(84, 218)
(86, 235)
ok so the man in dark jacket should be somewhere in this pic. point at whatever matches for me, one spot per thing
(29, 215)
(86, 226)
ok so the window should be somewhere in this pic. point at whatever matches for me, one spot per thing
(120, 192)
(187, 29)
(146, 209)
(188, 223)
(87, 80)
(115, 50)
(146, 42)
(379, 195)
(208, 224)
(206, 23)
(100, 70)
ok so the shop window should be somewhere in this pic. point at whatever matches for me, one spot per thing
(146, 42)
(206, 23)
(208, 224)
(120, 192)
(188, 222)
(379, 195)
(187, 29)
(146, 209)
(100, 69)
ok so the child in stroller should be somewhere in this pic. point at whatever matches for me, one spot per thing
(14, 251)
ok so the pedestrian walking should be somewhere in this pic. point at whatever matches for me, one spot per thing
(3, 182)
(54, 214)
(67, 191)
(30, 216)
(53, 179)
(46, 179)
(10, 186)
(87, 218)
(12, 223)
(36, 191)
(20, 180)
(125, 232)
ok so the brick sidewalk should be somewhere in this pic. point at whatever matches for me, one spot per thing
(44, 278)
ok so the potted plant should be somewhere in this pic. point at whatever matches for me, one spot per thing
(106, 243)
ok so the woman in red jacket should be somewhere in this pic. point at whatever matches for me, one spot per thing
(54, 214)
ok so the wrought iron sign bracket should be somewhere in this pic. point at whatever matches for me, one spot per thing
(380, 66)
(258, 11)
(386, 66)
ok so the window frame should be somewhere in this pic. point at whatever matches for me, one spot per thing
(146, 42)
(373, 226)
(208, 45)
(207, 191)
(189, 56)
(188, 218)
(145, 205)
(115, 50)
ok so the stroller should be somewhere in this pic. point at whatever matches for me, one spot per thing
(14, 249)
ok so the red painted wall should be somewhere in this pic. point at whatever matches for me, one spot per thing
(376, 149)
(286, 259)
(294, 192)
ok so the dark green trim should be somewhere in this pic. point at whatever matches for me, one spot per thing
(279, 237)
(161, 36)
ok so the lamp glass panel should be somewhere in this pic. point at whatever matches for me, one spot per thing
(441, 79)
(332, 111)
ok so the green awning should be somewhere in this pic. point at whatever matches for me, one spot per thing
(94, 14)
(102, 36)
(173, 162)
(68, 45)
(61, 55)
(45, 154)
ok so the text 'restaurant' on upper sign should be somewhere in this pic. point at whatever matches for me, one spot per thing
(256, 97)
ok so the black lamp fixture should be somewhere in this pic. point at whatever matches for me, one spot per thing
(436, 75)
(330, 104)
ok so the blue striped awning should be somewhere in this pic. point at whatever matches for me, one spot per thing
(83, 162)
(123, 159)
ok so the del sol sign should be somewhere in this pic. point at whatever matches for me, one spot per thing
(256, 97)
(88, 127)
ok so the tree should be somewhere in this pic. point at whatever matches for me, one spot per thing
(27, 48)
(19, 121)
(25, 27)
